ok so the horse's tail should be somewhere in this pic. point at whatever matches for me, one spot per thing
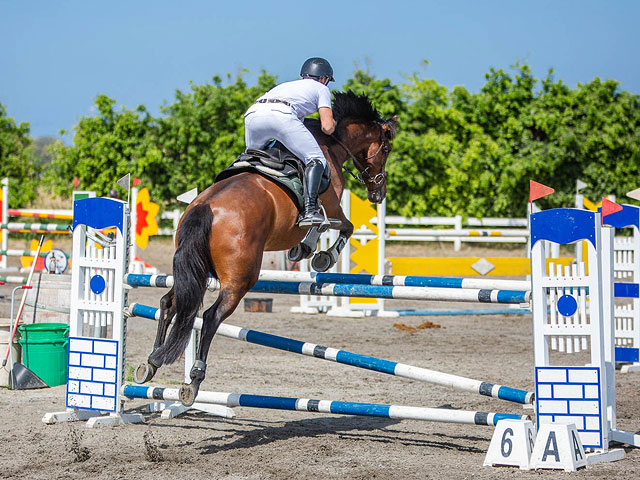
(192, 265)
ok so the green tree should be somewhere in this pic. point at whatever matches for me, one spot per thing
(455, 152)
(201, 133)
(42, 150)
(17, 159)
(105, 147)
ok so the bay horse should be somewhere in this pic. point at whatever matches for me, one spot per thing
(225, 230)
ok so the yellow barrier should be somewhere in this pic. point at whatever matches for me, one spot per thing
(463, 266)
(364, 255)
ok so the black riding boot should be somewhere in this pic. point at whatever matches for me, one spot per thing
(311, 215)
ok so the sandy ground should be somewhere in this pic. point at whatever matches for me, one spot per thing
(266, 444)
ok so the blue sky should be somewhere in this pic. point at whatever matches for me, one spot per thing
(56, 56)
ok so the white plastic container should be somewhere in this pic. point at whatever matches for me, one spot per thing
(16, 352)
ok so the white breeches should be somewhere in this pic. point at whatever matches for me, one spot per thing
(263, 122)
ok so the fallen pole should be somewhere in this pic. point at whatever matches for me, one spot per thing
(325, 406)
(356, 360)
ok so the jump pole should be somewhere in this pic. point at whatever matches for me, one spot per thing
(395, 280)
(13, 279)
(463, 311)
(4, 218)
(325, 406)
(22, 253)
(399, 293)
(356, 360)
(358, 279)
(47, 282)
(35, 227)
(55, 214)
(354, 290)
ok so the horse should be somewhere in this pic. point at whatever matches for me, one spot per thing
(225, 230)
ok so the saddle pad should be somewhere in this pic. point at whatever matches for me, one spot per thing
(287, 176)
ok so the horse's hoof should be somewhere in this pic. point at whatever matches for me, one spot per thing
(321, 262)
(187, 394)
(144, 372)
(299, 252)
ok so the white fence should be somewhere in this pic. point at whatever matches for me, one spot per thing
(517, 231)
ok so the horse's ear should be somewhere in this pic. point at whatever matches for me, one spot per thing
(390, 126)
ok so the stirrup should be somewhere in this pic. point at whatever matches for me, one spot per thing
(312, 220)
(324, 225)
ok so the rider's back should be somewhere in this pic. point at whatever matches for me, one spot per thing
(305, 95)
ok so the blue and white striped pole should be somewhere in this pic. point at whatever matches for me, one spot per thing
(325, 406)
(395, 280)
(462, 311)
(354, 279)
(161, 281)
(399, 293)
(356, 360)
(355, 290)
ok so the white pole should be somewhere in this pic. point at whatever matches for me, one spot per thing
(345, 256)
(382, 236)
(134, 223)
(5, 219)
(382, 228)
(457, 243)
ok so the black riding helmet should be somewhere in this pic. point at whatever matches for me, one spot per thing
(317, 67)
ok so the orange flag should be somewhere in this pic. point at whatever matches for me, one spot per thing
(609, 207)
(136, 181)
(76, 182)
(538, 190)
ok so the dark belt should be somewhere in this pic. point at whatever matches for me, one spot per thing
(274, 100)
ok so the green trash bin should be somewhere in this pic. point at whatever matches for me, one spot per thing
(45, 348)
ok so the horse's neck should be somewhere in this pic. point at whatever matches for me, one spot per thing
(337, 153)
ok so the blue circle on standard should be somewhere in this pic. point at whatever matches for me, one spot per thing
(567, 305)
(97, 284)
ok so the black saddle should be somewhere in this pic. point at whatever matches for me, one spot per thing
(278, 164)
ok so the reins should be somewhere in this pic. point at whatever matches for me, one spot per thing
(363, 176)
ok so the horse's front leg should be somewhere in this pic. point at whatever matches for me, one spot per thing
(323, 261)
(145, 371)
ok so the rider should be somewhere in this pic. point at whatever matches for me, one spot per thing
(279, 114)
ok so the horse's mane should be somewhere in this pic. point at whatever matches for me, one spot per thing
(358, 107)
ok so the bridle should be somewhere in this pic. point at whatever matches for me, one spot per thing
(363, 170)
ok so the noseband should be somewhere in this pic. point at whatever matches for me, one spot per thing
(363, 170)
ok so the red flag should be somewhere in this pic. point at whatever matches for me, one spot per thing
(538, 190)
(136, 181)
(609, 207)
(76, 182)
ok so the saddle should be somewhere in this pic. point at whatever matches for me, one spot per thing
(279, 165)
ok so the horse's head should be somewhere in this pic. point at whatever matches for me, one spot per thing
(366, 138)
(373, 173)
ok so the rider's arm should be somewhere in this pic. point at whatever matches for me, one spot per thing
(327, 122)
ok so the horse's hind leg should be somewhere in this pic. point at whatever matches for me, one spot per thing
(145, 371)
(226, 303)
